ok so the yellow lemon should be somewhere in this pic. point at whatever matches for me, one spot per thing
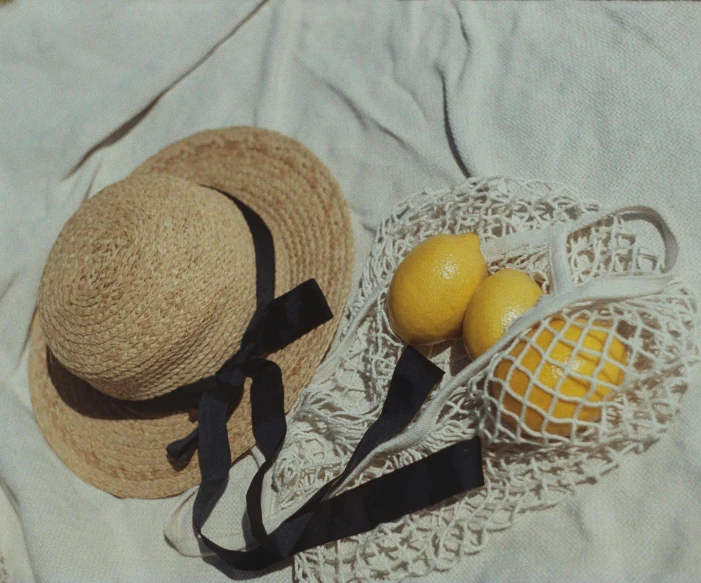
(432, 286)
(497, 301)
(582, 358)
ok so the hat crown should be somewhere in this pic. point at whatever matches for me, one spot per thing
(148, 286)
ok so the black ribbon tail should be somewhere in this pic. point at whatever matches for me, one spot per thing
(181, 450)
(448, 472)
(412, 380)
(268, 408)
(274, 326)
(215, 453)
(269, 429)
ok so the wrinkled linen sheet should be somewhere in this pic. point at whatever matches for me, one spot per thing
(394, 97)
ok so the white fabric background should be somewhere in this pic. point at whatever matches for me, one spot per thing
(394, 97)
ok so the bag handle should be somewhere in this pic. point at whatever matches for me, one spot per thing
(621, 286)
(613, 286)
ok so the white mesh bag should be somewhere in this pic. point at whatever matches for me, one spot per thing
(607, 277)
(612, 298)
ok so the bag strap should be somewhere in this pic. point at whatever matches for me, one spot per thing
(608, 287)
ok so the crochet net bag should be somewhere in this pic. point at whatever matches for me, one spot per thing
(601, 272)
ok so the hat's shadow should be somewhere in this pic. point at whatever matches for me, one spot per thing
(89, 402)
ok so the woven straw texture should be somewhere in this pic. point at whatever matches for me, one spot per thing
(526, 470)
(151, 284)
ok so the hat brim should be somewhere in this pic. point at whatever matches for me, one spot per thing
(121, 448)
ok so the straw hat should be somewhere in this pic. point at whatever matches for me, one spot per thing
(151, 284)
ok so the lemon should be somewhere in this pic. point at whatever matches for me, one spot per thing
(432, 286)
(582, 358)
(496, 303)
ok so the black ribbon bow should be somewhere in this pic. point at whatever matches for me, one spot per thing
(273, 326)
(276, 323)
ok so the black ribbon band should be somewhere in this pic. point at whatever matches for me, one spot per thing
(276, 323)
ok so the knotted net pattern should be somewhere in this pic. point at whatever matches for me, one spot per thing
(529, 465)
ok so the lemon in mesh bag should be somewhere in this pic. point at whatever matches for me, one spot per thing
(498, 301)
(432, 287)
(563, 375)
